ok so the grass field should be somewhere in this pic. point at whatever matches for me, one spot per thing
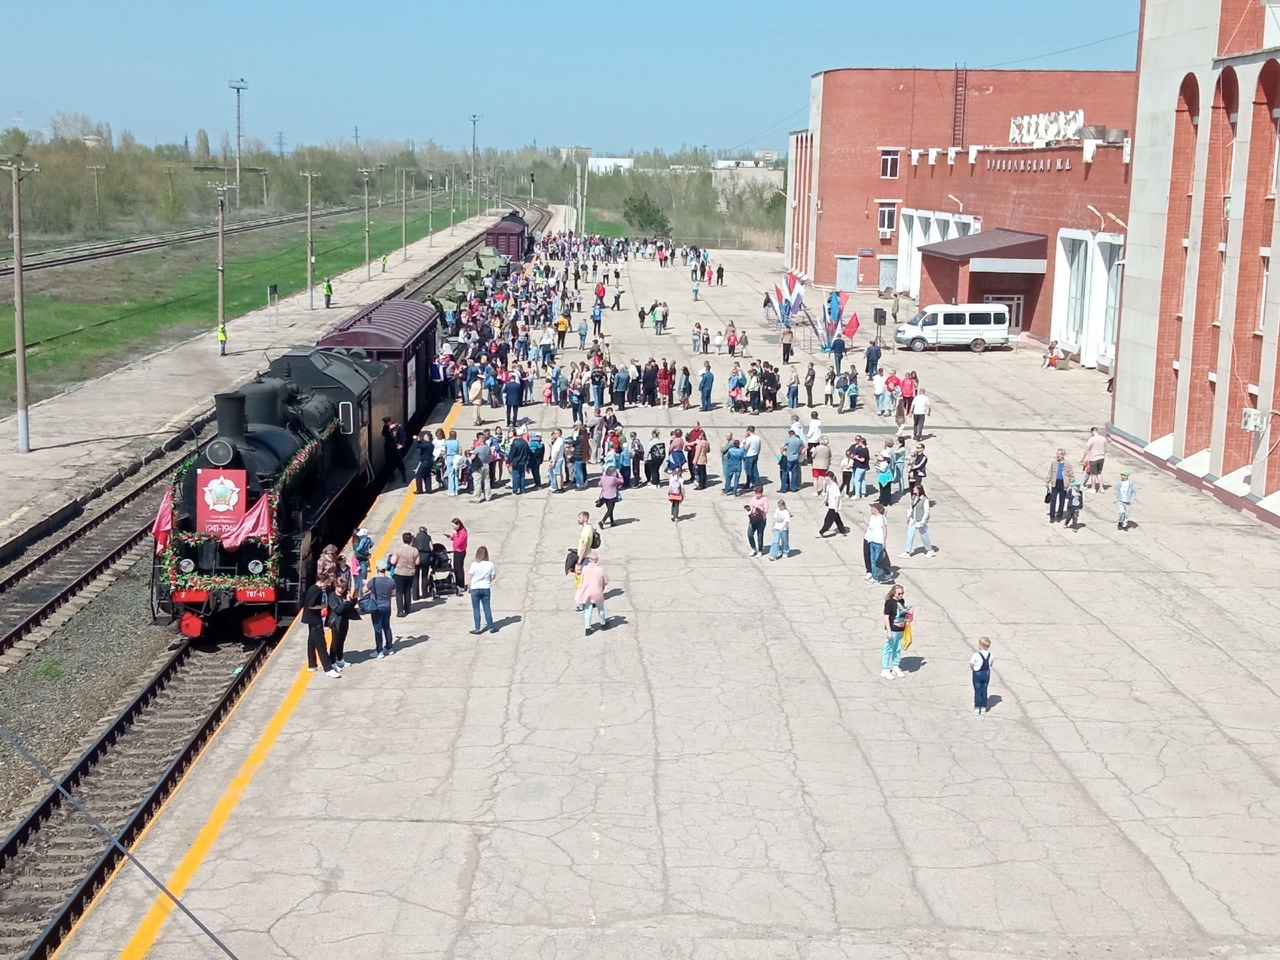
(609, 228)
(97, 316)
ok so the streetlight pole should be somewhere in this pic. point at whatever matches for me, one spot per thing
(368, 265)
(222, 189)
(453, 193)
(311, 256)
(15, 167)
(475, 118)
(238, 86)
(380, 167)
(431, 204)
(96, 171)
(531, 188)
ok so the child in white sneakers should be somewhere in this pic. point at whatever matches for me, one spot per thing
(980, 665)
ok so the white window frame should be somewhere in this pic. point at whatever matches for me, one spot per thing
(886, 215)
(890, 164)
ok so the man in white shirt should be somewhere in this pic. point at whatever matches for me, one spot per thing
(919, 410)
(878, 388)
(1095, 455)
(751, 456)
(813, 434)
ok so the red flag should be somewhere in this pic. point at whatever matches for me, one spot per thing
(256, 523)
(163, 523)
(851, 327)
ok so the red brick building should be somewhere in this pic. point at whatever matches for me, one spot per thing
(898, 167)
(1196, 379)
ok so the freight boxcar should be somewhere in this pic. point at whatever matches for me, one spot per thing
(404, 334)
(509, 236)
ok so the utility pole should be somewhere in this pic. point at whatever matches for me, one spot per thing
(404, 212)
(264, 187)
(168, 172)
(280, 144)
(239, 86)
(222, 189)
(311, 257)
(357, 138)
(15, 167)
(586, 179)
(530, 188)
(380, 167)
(577, 206)
(431, 203)
(96, 171)
(368, 265)
(453, 193)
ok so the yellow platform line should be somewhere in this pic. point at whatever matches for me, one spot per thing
(148, 931)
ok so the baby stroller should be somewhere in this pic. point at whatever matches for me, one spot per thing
(440, 579)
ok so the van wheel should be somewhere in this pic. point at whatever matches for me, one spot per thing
(917, 345)
(978, 345)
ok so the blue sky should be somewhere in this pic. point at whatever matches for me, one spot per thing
(613, 76)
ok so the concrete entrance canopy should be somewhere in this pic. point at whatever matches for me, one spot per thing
(996, 251)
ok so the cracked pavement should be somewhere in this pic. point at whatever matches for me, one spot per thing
(724, 775)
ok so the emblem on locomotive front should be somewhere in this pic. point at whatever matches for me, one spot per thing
(221, 494)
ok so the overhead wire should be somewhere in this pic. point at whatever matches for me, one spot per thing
(1054, 53)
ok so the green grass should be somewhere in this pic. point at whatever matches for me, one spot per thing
(49, 669)
(116, 310)
(608, 228)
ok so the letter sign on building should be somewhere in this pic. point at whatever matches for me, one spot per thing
(1062, 125)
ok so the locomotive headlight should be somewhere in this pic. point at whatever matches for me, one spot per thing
(187, 566)
(255, 567)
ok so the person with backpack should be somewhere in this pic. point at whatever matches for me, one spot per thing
(588, 540)
(655, 454)
(362, 550)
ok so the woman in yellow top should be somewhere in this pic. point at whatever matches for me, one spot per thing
(562, 328)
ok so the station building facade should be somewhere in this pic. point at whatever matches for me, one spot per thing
(899, 168)
(1196, 387)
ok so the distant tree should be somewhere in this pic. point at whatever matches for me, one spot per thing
(70, 126)
(127, 141)
(202, 144)
(14, 140)
(646, 216)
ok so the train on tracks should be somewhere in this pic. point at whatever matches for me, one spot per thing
(242, 522)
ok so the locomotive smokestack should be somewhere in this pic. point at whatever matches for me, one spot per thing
(229, 408)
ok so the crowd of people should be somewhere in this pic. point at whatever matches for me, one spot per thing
(517, 352)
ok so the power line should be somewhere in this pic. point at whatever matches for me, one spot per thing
(1054, 53)
(769, 129)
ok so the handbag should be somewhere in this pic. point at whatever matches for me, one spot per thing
(1048, 495)
(906, 637)
(367, 604)
(600, 502)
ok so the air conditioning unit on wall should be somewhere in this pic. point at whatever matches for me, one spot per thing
(1251, 420)
(886, 234)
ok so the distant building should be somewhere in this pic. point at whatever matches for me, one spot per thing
(730, 177)
(767, 156)
(899, 165)
(609, 164)
(1197, 388)
(572, 154)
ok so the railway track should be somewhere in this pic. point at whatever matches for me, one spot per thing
(102, 251)
(35, 587)
(55, 861)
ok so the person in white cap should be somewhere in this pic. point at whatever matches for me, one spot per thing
(361, 551)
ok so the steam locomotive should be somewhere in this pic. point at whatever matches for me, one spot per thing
(242, 523)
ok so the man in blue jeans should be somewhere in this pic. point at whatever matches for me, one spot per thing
(706, 380)
(751, 457)
(837, 351)
(791, 451)
(732, 458)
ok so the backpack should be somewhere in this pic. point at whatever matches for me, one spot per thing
(658, 451)
(364, 547)
(595, 539)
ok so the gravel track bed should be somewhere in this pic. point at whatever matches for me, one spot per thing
(58, 696)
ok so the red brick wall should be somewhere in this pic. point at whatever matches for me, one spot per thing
(863, 110)
(1169, 333)
(1205, 335)
(1259, 206)
(1240, 26)
(940, 281)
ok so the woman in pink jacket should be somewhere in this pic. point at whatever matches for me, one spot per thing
(590, 595)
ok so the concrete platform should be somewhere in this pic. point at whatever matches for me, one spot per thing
(723, 774)
(89, 436)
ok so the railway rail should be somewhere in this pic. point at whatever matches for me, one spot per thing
(55, 862)
(101, 251)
